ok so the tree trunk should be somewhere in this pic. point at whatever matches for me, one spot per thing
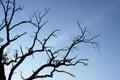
(2, 70)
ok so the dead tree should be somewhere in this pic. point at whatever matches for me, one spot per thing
(10, 8)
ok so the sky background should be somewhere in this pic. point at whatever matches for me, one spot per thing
(100, 16)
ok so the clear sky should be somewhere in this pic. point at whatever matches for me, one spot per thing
(101, 17)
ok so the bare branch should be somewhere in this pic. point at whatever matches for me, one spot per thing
(3, 5)
(22, 75)
(20, 23)
(17, 36)
(54, 61)
(65, 72)
(47, 75)
(45, 41)
(2, 25)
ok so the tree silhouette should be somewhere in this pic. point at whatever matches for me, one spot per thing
(10, 9)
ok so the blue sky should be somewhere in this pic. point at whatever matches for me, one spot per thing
(100, 16)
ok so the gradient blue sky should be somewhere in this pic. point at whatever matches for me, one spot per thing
(101, 17)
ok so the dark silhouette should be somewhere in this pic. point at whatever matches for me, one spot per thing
(10, 9)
